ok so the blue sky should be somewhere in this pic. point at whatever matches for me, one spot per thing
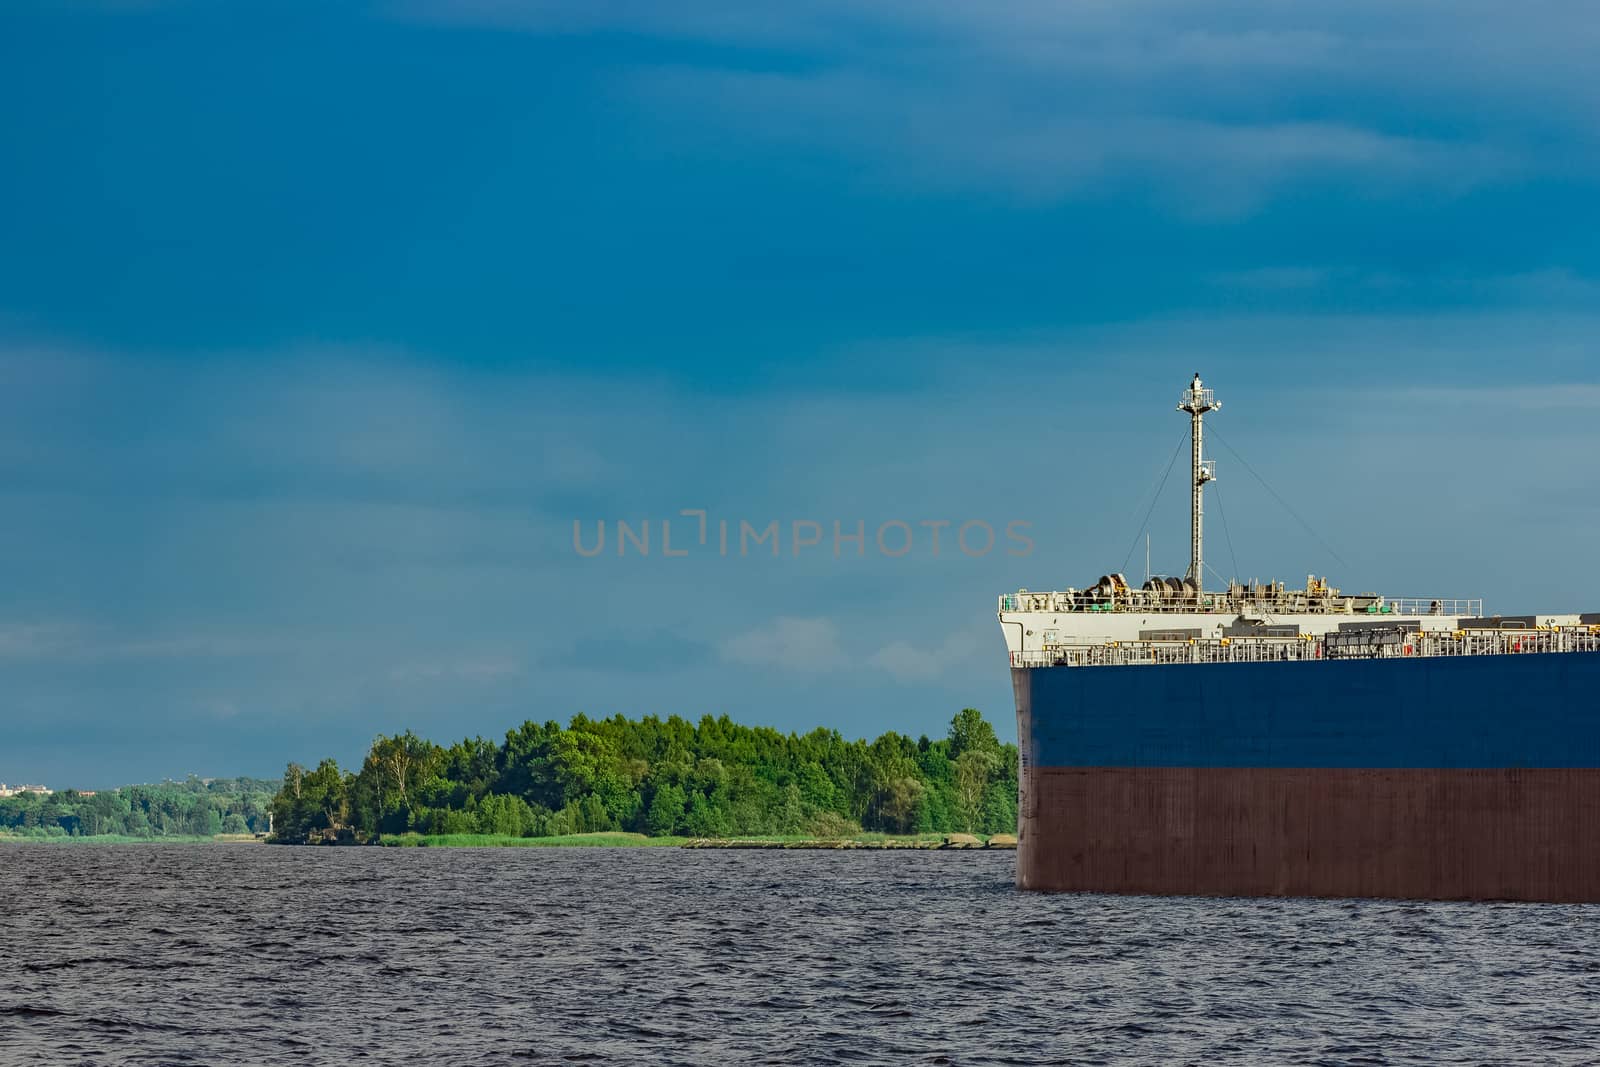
(320, 329)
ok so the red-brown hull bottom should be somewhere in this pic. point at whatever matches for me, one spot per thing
(1520, 834)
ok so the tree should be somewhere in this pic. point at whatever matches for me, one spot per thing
(523, 763)
(970, 732)
(505, 813)
(899, 804)
(666, 811)
(973, 771)
(394, 768)
(405, 760)
(705, 818)
(328, 796)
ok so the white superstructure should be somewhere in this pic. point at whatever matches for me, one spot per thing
(1176, 620)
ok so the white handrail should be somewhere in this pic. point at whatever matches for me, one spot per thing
(1283, 649)
(1285, 602)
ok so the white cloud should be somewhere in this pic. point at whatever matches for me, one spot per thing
(906, 662)
(1520, 398)
(1549, 287)
(78, 643)
(472, 669)
(790, 643)
(909, 663)
(480, 669)
(26, 641)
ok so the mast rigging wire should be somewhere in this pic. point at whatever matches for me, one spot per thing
(1284, 503)
(1223, 512)
(1153, 500)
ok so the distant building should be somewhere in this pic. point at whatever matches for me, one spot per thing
(11, 791)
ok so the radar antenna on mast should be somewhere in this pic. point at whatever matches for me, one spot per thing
(1197, 400)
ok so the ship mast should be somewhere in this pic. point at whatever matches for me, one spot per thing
(1197, 400)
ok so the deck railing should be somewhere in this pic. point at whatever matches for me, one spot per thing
(1284, 649)
(1471, 607)
(1286, 602)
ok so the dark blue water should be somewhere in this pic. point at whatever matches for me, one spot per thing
(221, 954)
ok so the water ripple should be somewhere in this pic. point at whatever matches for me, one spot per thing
(216, 954)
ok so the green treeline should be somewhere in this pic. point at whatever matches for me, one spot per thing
(714, 778)
(170, 809)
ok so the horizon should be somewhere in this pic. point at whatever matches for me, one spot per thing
(328, 340)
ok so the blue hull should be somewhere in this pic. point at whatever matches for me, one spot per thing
(1533, 710)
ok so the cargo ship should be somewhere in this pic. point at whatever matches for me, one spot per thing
(1266, 740)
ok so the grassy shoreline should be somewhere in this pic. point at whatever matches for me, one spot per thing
(597, 840)
(130, 839)
(926, 842)
(763, 841)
